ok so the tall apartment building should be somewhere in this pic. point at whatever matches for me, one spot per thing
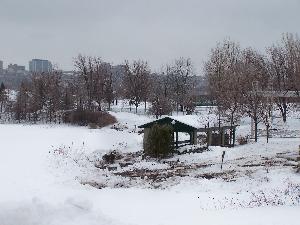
(40, 65)
(1, 66)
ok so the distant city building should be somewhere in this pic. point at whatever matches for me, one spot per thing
(1, 66)
(40, 65)
(15, 69)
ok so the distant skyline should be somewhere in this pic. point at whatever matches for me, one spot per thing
(157, 31)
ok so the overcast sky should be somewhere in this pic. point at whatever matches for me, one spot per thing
(154, 30)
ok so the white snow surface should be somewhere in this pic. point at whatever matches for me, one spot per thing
(39, 188)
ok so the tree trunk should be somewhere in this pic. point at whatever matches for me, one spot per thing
(283, 108)
(1, 109)
(284, 112)
(231, 128)
(268, 133)
(255, 129)
(220, 132)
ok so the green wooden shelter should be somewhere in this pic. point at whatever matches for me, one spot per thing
(177, 127)
(216, 136)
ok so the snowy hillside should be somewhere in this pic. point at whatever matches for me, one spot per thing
(54, 175)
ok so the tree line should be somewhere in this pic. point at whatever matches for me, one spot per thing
(95, 86)
(240, 81)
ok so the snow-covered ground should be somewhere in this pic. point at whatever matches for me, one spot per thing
(43, 169)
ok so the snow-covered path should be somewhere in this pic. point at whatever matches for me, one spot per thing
(32, 194)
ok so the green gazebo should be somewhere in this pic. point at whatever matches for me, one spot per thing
(215, 136)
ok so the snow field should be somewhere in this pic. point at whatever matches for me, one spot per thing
(40, 187)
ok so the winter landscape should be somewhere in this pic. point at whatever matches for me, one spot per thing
(50, 176)
(149, 112)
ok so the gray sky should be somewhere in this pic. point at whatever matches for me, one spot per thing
(154, 30)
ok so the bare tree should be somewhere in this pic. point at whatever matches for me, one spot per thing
(224, 74)
(38, 94)
(180, 83)
(160, 103)
(147, 87)
(255, 81)
(285, 69)
(278, 72)
(97, 78)
(88, 69)
(291, 46)
(83, 65)
(3, 97)
(108, 86)
(136, 82)
(21, 106)
(54, 95)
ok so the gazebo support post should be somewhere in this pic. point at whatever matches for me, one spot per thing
(194, 137)
(233, 137)
(209, 137)
(176, 139)
(173, 144)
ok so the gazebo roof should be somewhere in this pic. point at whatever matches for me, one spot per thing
(177, 125)
(188, 123)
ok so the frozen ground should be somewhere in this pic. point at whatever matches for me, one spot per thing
(42, 169)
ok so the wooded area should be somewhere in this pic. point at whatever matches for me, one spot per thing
(95, 86)
(237, 80)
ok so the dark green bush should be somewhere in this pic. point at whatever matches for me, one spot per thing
(83, 118)
(159, 142)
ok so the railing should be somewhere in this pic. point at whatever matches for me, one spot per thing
(182, 143)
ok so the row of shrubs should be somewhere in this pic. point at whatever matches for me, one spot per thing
(298, 159)
(96, 119)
